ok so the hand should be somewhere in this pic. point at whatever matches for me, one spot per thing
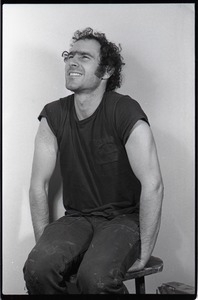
(138, 265)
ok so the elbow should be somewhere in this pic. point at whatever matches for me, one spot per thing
(155, 188)
(33, 192)
(159, 189)
(37, 190)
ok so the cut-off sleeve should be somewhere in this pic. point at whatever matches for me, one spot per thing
(127, 112)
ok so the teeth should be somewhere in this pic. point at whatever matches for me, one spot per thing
(74, 74)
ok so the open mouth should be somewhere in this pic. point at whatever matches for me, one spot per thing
(75, 74)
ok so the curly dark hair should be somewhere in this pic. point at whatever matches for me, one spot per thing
(110, 57)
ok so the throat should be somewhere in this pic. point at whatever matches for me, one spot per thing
(82, 113)
(86, 107)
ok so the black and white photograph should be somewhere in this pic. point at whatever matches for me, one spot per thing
(98, 149)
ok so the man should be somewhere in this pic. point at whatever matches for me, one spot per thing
(112, 185)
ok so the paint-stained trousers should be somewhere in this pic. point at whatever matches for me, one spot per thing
(99, 250)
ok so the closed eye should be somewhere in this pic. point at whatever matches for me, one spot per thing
(85, 56)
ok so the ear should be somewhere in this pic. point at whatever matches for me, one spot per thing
(109, 71)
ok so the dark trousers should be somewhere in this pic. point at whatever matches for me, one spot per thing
(99, 250)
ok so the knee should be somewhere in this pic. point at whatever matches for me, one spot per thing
(39, 270)
(34, 269)
(35, 263)
(99, 281)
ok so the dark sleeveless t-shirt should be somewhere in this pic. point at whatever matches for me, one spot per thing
(96, 174)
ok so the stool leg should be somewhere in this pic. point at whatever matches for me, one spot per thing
(140, 285)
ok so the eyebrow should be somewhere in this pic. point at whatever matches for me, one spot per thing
(81, 53)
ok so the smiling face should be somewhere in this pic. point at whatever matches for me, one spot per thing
(81, 70)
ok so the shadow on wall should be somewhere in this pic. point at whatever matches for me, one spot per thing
(139, 81)
(175, 244)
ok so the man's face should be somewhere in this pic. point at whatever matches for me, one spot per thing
(81, 71)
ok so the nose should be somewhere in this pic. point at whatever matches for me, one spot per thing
(73, 61)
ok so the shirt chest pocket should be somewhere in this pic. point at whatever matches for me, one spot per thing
(106, 155)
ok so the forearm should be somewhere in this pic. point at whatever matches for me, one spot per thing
(150, 218)
(39, 210)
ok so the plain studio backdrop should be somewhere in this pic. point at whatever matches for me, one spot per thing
(158, 49)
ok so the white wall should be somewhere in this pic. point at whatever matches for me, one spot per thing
(158, 47)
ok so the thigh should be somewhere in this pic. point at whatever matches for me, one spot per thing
(115, 245)
(64, 242)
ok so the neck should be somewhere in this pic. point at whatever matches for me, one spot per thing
(86, 104)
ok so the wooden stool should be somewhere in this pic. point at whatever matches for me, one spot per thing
(154, 265)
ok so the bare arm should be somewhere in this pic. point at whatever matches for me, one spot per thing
(44, 161)
(142, 154)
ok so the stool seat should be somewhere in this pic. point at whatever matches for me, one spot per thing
(154, 265)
